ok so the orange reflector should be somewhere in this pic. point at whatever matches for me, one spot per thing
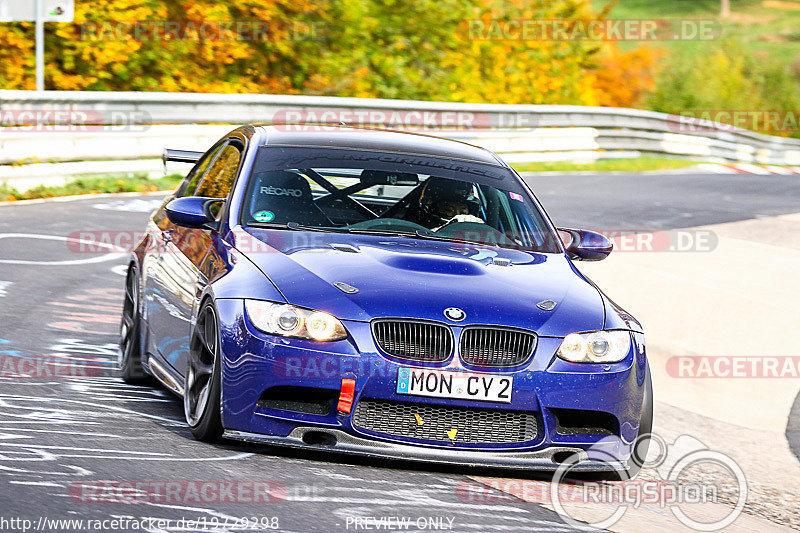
(346, 395)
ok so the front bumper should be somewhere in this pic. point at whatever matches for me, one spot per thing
(254, 362)
(547, 459)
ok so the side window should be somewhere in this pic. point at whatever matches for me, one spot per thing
(219, 178)
(194, 178)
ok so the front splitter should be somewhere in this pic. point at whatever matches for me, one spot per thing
(338, 441)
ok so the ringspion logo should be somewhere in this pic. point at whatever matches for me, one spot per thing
(680, 476)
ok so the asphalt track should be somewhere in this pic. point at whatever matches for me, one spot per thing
(661, 202)
(63, 436)
(670, 201)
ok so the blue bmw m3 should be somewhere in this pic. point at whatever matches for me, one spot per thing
(385, 294)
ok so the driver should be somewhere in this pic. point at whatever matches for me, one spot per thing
(444, 201)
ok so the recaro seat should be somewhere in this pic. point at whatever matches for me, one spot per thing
(288, 196)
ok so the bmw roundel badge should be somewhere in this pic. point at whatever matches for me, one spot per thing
(455, 314)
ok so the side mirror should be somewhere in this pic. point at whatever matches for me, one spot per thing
(193, 212)
(585, 245)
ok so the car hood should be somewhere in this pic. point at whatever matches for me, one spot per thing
(403, 277)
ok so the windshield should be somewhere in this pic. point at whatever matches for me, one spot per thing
(324, 189)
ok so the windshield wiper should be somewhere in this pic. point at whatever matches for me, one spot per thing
(325, 229)
(294, 226)
(415, 234)
(354, 231)
(418, 234)
(428, 235)
(388, 232)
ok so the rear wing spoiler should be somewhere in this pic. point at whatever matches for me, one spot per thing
(180, 156)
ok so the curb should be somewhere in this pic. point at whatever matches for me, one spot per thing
(702, 168)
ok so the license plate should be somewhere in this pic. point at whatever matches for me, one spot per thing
(459, 385)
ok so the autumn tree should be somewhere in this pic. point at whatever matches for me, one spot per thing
(425, 50)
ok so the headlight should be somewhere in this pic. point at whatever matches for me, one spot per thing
(596, 347)
(290, 321)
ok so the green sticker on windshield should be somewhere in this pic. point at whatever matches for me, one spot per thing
(264, 216)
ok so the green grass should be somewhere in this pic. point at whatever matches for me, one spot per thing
(136, 183)
(669, 8)
(636, 164)
(769, 30)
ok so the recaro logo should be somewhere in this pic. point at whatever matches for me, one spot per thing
(280, 191)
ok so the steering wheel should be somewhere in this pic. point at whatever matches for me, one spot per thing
(484, 231)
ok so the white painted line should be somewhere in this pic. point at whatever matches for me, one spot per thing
(78, 197)
(133, 206)
(3, 286)
(116, 254)
(37, 483)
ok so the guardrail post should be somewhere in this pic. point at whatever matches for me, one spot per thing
(39, 46)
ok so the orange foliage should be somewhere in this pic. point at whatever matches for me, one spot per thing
(363, 48)
(623, 79)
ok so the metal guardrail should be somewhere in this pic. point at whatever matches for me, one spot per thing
(128, 125)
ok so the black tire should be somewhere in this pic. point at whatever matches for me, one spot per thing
(130, 333)
(202, 383)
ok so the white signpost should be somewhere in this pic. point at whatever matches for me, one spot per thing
(39, 11)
